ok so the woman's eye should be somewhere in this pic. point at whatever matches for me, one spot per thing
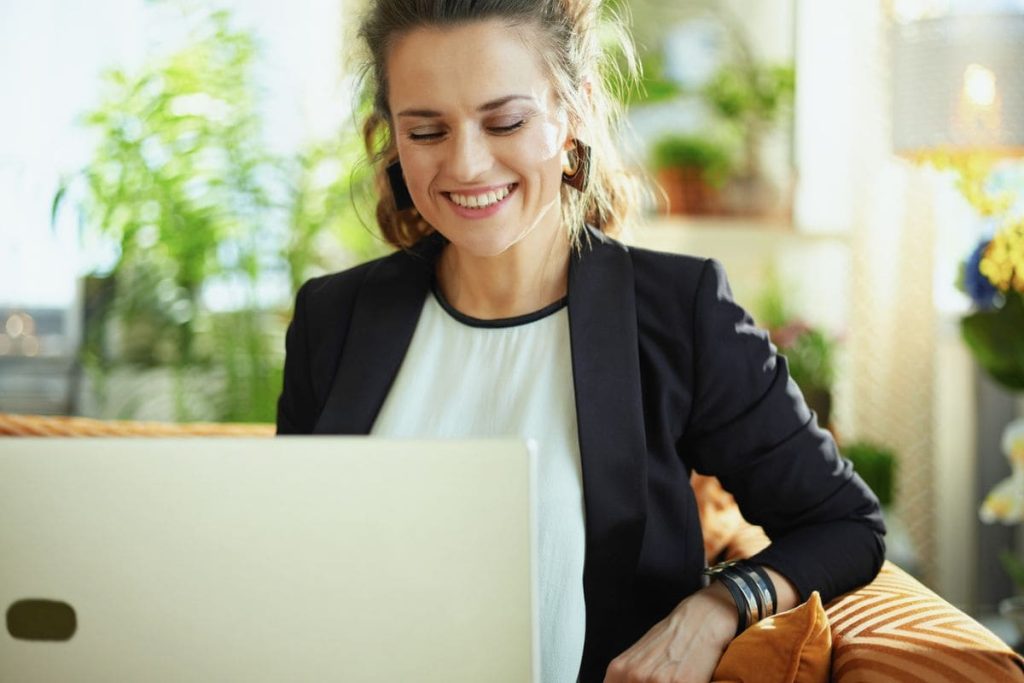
(505, 130)
(422, 137)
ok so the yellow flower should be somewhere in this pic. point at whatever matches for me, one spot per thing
(972, 172)
(1003, 262)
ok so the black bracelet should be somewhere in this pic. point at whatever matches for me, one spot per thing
(744, 593)
(742, 608)
(768, 586)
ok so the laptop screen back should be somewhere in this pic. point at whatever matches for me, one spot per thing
(341, 558)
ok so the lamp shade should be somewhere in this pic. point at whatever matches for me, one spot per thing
(958, 85)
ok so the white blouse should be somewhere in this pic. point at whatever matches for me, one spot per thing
(465, 377)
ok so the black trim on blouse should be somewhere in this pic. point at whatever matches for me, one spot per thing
(494, 323)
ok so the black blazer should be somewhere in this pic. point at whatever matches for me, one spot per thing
(670, 376)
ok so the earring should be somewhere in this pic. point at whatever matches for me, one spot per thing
(578, 175)
(399, 190)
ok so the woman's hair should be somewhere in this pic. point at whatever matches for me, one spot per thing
(580, 68)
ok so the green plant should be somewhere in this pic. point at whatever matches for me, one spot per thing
(330, 206)
(1013, 567)
(876, 465)
(811, 356)
(751, 97)
(755, 94)
(993, 276)
(810, 351)
(175, 184)
(182, 190)
(712, 159)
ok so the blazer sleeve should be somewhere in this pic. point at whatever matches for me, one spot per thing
(296, 412)
(751, 428)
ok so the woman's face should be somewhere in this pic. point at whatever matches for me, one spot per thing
(479, 133)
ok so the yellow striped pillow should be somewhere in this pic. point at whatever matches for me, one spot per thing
(894, 630)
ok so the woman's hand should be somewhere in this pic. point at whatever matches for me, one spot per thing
(685, 646)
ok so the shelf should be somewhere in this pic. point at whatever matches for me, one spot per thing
(812, 268)
(673, 232)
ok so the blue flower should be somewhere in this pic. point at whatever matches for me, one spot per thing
(977, 286)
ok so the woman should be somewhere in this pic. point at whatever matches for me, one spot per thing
(510, 311)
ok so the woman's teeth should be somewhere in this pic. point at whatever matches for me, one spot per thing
(480, 201)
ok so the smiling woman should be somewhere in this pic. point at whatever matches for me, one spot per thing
(510, 311)
(481, 135)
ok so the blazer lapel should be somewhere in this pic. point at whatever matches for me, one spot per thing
(383, 321)
(609, 408)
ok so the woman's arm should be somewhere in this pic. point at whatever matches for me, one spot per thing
(751, 428)
(295, 410)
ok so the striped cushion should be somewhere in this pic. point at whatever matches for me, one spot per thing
(895, 630)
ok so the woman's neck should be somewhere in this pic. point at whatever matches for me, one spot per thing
(524, 278)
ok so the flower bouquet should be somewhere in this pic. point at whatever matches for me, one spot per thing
(993, 276)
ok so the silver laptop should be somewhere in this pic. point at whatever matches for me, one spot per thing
(289, 559)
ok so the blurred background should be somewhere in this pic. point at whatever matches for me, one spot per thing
(173, 170)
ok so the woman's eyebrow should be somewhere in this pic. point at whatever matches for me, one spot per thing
(487, 106)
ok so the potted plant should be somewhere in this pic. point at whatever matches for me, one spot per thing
(809, 351)
(876, 465)
(184, 194)
(752, 98)
(691, 170)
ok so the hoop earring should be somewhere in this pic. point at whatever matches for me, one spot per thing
(579, 175)
(399, 190)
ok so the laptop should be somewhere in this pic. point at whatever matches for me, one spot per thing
(288, 559)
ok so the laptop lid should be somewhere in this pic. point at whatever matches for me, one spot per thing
(288, 559)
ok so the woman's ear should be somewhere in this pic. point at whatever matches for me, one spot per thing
(587, 88)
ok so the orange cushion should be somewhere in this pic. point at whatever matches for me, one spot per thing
(727, 536)
(896, 630)
(790, 647)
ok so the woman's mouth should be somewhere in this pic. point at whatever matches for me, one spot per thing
(480, 204)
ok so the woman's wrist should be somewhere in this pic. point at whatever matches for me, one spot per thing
(717, 610)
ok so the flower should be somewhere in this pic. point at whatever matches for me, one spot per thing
(993, 276)
(975, 284)
(1005, 502)
(1003, 260)
(1013, 441)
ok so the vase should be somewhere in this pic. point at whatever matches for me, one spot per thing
(687, 193)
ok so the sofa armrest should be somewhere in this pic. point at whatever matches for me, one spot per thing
(38, 425)
(896, 629)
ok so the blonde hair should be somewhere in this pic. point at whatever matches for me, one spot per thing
(580, 68)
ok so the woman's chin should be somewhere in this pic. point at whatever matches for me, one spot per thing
(482, 242)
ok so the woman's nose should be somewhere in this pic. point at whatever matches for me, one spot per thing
(469, 157)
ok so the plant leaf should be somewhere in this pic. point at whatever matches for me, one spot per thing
(996, 339)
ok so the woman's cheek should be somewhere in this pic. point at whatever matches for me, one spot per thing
(551, 138)
(416, 170)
